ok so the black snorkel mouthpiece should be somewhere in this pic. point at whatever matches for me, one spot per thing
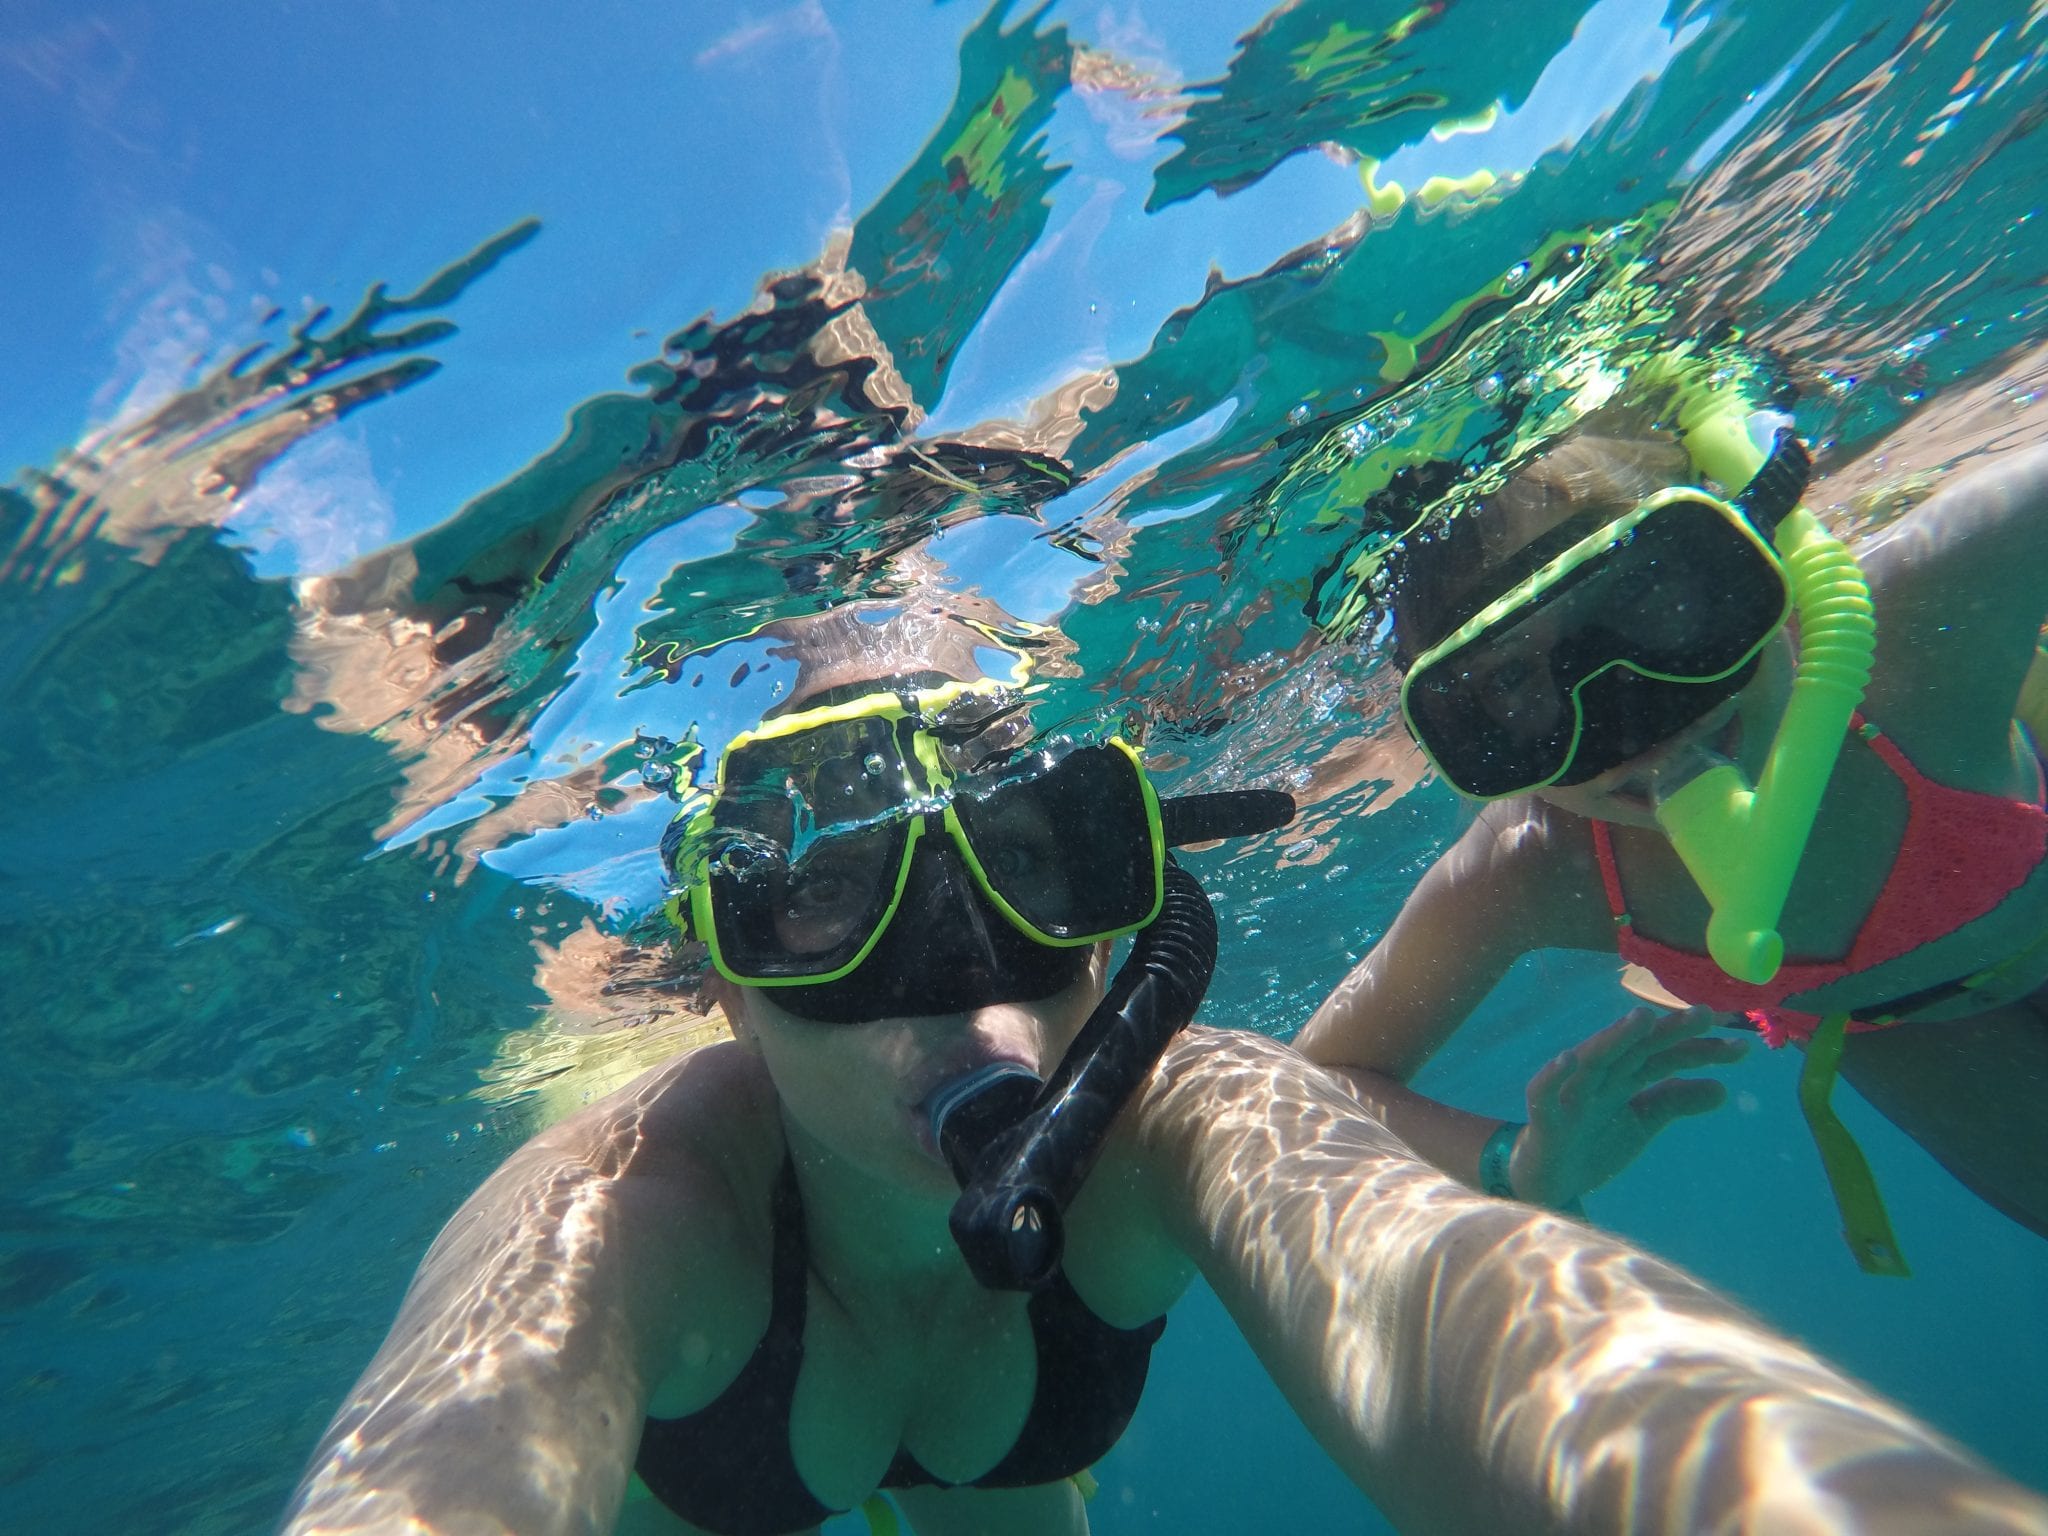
(969, 1116)
(1021, 1151)
(1010, 1218)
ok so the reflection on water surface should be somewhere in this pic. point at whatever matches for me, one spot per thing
(327, 820)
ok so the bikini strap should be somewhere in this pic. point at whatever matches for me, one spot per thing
(1886, 749)
(1610, 876)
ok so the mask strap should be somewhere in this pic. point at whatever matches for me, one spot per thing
(1774, 490)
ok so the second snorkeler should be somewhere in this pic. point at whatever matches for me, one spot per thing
(1608, 654)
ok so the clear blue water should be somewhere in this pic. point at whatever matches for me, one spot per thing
(324, 640)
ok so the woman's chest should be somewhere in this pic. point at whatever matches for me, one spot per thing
(948, 1383)
(1848, 859)
(1912, 892)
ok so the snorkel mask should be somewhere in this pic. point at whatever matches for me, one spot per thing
(1642, 627)
(888, 852)
(854, 857)
(1628, 635)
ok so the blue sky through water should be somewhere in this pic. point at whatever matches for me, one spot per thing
(184, 179)
(175, 178)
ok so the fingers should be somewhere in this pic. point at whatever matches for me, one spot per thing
(1644, 1047)
(1626, 1034)
(1602, 1067)
(1658, 1106)
(1688, 1056)
(1662, 1044)
(1547, 1087)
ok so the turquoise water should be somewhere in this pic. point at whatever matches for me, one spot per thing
(413, 408)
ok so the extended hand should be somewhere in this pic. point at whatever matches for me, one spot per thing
(1594, 1108)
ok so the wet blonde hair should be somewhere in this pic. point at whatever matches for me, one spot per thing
(876, 640)
(1446, 574)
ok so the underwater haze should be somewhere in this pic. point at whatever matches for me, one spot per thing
(414, 413)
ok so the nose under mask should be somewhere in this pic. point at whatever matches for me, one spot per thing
(946, 950)
(1627, 715)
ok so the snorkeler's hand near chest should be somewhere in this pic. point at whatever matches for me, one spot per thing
(1594, 1108)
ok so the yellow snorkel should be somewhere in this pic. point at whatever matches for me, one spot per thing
(1741, 845)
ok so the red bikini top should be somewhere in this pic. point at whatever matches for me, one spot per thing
(1963, 852)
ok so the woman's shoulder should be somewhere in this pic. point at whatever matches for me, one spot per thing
(697, 1095)
(678, 1169)
(701, 1132)
(1960, 586)
(1540, 863)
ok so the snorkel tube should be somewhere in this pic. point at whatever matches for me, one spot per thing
(1741, 845)
(1021, 1149)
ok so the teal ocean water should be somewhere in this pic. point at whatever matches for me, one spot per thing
(414, 413)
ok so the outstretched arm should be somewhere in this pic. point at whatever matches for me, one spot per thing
(1504, 888)
(1477, 1366)
(508, 1396)
(1473, 913)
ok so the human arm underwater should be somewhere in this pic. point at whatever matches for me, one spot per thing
(509, 1393)
(1477, 1366)
(1483, 904)
(1519, 879)
(1961, 589)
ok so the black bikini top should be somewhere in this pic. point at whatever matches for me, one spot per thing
(728, 1467)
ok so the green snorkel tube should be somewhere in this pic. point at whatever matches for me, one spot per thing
(1742, 845)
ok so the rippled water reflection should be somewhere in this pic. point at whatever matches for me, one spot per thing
(319, 891)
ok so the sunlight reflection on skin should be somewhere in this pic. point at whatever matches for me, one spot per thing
(1443, 1332)
(1474, 1364)
(536, 1303)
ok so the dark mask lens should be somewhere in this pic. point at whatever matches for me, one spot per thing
(1492, 716)
(1070, 847)
(787, 789)
(807, 845)
(776, 919)
(1628, 714)
(1686, 593)
(946, 951)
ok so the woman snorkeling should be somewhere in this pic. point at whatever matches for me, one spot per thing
(753, 1277)
(1609, 657)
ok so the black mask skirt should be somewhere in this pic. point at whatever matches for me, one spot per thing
(946, 950)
